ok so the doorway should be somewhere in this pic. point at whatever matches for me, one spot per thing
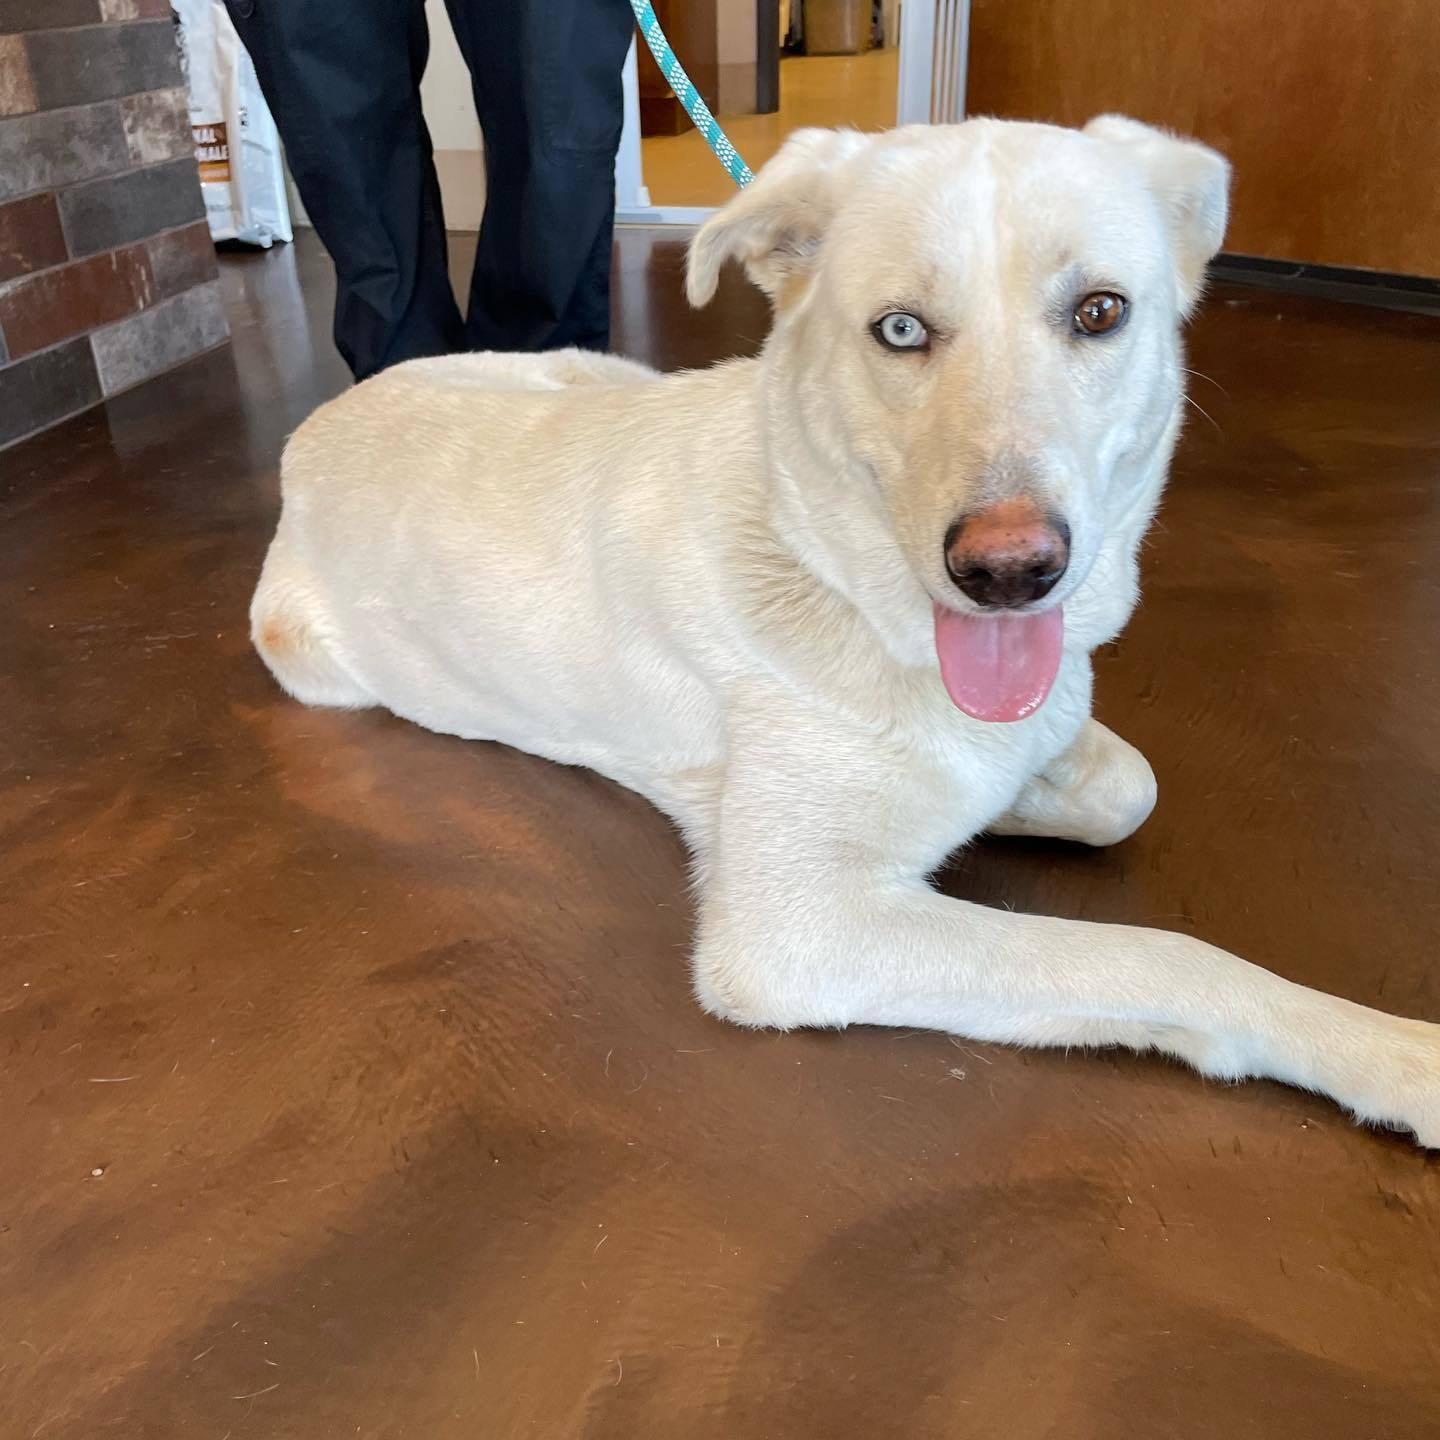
(866, 64)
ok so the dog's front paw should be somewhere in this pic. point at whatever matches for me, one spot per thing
(1099, 792)
(1403, 1091)
(732, 990)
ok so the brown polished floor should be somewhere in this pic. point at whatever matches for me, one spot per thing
(349, 1080)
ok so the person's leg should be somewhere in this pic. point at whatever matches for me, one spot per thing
(342, 80)
(547, 89)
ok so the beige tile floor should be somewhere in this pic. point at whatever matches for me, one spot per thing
(857, 90)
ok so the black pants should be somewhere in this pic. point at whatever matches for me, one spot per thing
(342, 78)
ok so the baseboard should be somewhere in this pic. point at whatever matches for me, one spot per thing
(1416, 293)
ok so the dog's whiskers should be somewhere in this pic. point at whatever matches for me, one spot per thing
(1201, 375)
(1204, 412)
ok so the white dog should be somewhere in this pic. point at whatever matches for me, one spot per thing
(831, 609)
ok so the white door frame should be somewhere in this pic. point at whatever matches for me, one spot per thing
(934, 47)
(632, 197)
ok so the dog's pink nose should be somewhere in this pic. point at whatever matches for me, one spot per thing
(1007, 555)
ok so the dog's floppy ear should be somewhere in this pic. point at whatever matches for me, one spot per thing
(1193, 183)
(774, 225)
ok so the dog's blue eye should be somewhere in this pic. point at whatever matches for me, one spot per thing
(901, 331)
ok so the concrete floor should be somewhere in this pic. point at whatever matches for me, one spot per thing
(350, 1082)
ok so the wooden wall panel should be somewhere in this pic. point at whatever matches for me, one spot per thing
(692, 28)
(1328, 109)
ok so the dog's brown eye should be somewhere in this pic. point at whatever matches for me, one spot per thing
(1102, 313)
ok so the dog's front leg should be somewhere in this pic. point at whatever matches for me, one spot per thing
(815, 912)
(1100, 791)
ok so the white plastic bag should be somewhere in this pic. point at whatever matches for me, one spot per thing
(237, 146)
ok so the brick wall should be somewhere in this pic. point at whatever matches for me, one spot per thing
(107, 271)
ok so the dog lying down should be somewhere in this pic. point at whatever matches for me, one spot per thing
(831, 608)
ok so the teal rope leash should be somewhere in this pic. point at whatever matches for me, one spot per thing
(688, 95)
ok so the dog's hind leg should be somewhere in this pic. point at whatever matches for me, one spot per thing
(1099, 792)
(288, 627)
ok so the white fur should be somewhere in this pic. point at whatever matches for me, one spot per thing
(716, 588)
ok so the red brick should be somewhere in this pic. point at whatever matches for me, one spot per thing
(180, 259)
(30, 236)
(73, 299)
(17, 88)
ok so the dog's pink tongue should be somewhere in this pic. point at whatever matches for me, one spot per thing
(999, 667)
